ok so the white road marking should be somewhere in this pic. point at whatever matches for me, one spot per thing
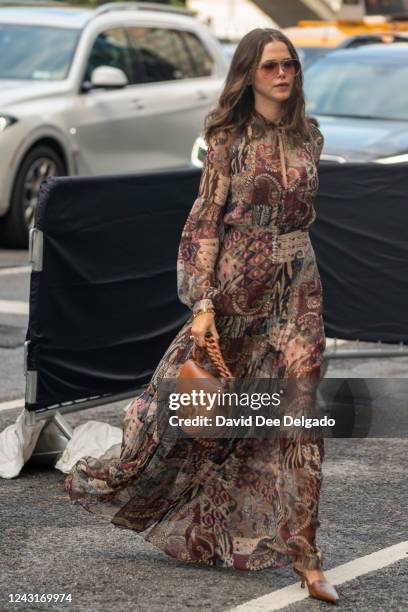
(14, 307)
(12, 404)
(338, 575)
(15, 270)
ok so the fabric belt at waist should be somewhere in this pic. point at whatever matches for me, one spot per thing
(285, 247)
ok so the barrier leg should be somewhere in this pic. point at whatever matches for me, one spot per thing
(52, 441)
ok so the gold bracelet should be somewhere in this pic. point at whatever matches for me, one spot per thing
(203, 311)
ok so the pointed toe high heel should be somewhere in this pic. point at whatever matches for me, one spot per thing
(319, 589)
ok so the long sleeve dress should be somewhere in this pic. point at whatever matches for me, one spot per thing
(245, 249)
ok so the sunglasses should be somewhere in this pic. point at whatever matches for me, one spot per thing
(291, 66)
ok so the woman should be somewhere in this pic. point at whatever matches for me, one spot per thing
(247, 270)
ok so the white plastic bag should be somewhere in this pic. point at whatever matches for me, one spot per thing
(17, 443)
(92, 439)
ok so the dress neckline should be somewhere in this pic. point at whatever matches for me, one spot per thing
(257, 115)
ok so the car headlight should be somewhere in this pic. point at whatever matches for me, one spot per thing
(394, 159)
(6, 121)
(199, 152)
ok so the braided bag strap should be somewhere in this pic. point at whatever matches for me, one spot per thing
(214, 352)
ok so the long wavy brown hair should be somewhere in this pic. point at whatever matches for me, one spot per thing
(236, 101)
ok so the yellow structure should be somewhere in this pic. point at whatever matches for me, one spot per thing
(355, 18)
(332, 33)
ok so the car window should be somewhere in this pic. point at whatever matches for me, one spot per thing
(357, 87)
(37, 53)
(110, 48)
(202, 60)
(164, 55)
(307, 55)
(385, 7)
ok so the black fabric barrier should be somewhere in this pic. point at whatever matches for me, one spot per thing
(361, 243)
(104, 307)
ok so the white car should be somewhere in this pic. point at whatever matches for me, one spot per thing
(118, 89)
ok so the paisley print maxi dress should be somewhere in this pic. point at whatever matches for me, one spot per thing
(245, 249)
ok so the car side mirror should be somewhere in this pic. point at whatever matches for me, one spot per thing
(108, 77)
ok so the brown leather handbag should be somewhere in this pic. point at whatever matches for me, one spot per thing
(193, 377)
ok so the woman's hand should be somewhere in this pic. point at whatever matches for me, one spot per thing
(202, 323)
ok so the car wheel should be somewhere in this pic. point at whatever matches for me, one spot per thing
(39, 164)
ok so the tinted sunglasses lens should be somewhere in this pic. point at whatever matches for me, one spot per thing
(291, 66)
(271, 68)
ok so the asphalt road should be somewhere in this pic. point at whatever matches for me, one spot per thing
(48, 545)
